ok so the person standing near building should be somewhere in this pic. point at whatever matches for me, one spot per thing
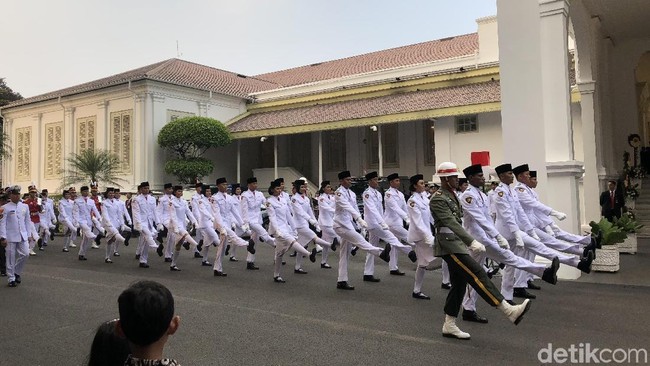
(3, 257)
(611, 202)
(377, 228)
(452, 243)
(326, 208)
(82, 211)
(254, 202)
(15, 225)
(347, 213)
(420, 232)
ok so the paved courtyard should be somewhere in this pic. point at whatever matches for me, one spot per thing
(246, 319)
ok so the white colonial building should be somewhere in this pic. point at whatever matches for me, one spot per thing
(557, 84)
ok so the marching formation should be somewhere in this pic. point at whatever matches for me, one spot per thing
(459, 223)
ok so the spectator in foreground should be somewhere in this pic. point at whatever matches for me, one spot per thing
(147, 320)
(108, 348)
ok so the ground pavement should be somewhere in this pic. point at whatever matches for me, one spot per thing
(247, 319)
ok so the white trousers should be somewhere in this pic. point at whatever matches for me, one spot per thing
(402, 235)
(350, 238)
(16, 253)
(258, 234)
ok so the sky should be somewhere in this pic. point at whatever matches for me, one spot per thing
(48, 45)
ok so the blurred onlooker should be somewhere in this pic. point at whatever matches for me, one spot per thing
(108, 348)
(147, 320)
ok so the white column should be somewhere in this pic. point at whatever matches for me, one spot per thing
(591, 183)
(380, 153)
(275, 157)
(70, 141)
(103, 124)
(40, 154)
(320, 157)
(140, 162)
(203, 109)
(239, 161)
(7, 168)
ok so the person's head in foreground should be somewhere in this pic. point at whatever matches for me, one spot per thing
(147, 318)
(108, 348)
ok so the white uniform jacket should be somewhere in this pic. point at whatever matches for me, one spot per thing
(254, 202)
(302, 211)
(279, 216)
(476, 214)
(395, 210)
(373, 208)
(346, 210)
(420, 216)
(510, 216)
(538, 213)
(15, 224)
(326, 208)
(83, 211)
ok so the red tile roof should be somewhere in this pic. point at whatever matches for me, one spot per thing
(440, 49)
(454, 96)
(173, 71)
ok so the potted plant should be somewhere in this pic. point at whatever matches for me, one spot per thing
(631, 194)
(629, 226)
(607, 257)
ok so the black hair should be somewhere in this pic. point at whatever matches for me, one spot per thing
(146, 309)
(108, 349)
(613, 181)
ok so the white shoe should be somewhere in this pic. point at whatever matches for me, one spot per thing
(318, 248)
(451, 330)
(514, 312)
(95, 246)
(72, 245)
(32, 252)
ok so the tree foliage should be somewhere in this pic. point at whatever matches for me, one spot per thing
(191, 137)
(187, 139)
(93, 165)
(188, 170)
(6, 96)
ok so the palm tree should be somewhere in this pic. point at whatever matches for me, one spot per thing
(93, 165)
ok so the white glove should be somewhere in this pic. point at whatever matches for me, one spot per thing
(125, 228)
(429, 241)
(362, 222)
(549, 230)
(363, 232)
(518, 240)
(477, 247)
(233, 226)
(407, 222)
(160, 227)
(534, 235)
(555, 227)
(246, 227)
(384, 226)
(313, 222)
(558, 215)
(503, 243)
(221, 229)
(317, 227)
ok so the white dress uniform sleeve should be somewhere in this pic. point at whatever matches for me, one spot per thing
(296, 206)
(3, 223)
(345, 205)
(135, 208)
(324, 207)
(273, 220)
(470, 205)
(235, 212)
(523, 218)
(417, 222)
(196, 210)
(215, 215)
(162, 205)
(370, 207)
(189, 214)
(106, 219)
(507, 213)
(173, 225)
(527, 200)
(244, 210)
(75, 214)
(392, 203)
(125, 213)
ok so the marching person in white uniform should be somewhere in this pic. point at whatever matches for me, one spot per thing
(253, 215)
(65, 218)
(202, 208)
(82, 211)
(146, 221)
(420, 232)
(48, 218)
(15, 227)
(478, 223)
(163, 212)
(124, 220)
(326, 208)
(111, 222)
(179, 211)
(513, 224)
(396, 217)
(279, 211)
(378, 228)
(303, 216)
(346, 214)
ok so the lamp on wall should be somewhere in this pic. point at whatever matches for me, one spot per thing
(373, 128)
(263, 138)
